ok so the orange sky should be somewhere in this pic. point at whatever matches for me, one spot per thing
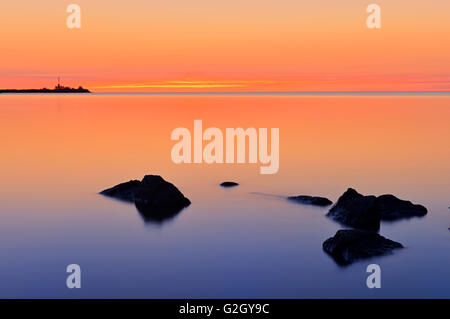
(141, 45)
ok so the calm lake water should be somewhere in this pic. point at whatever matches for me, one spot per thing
(59, 151)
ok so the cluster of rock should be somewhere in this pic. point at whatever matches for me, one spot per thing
(364, 213)
(158, 200)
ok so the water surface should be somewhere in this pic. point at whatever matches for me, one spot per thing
(58, 151)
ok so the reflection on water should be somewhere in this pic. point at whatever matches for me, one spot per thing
(152, 216)
(58, 151)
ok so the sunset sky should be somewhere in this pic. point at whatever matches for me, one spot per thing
(233, 45)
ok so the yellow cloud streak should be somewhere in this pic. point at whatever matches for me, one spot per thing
(186, 84)
(140, 86)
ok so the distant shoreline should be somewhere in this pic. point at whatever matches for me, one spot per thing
(45, 90)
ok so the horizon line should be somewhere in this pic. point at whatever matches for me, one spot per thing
(279, 93)
(267, 93)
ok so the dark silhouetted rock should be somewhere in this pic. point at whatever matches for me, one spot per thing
(392, 208)
(356, 210)
(348, 246)
(155, 198)
(311, 200)
(229, 184)
(366, 212)
(124, 191)
(156, 194)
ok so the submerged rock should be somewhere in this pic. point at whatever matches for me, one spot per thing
(155, 198)
(348, 246)
(366, 212)
(311, 200)
(229, 184)
(356, 210)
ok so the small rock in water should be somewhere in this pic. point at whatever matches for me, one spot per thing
(348, 246)
(229, 184)
(311, 200)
